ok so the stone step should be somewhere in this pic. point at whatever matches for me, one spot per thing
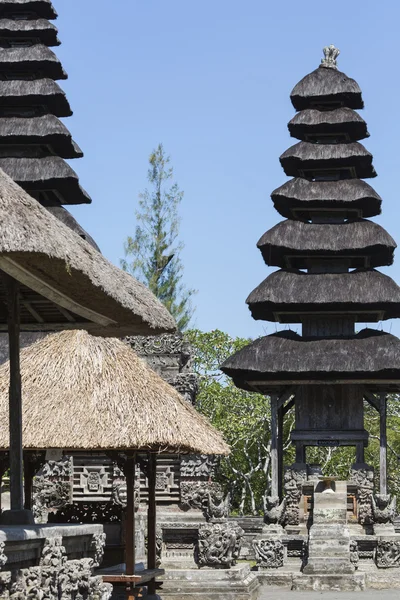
(237, 573)
(354, 582)
(328, 564)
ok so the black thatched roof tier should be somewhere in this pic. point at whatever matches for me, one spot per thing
(39, 61)
(33, 98)
(46, 174)
(295, 244)
(45, 130)
(42, 8)
(324, 87)
(40, 30)
(286, 357)
(298, 197)
(306, 157)
(339, 122)
(65, 217)
(288, 296)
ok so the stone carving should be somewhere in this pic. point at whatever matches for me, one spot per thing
(49, 496)
(354, 556)
(195, 466)
(331, 53)
(159, 543)
(269, 553)
(3, 556)
(157, 344)
(364, 479)
(59, 468)
(97, 546)
(53, 553)
(293, 481)
(274, 512)
(387, 554)
(118, 493)
(218, 507)
(88, 512)
(383, 508)
(194, 494)
(218, 544)
(187, 384)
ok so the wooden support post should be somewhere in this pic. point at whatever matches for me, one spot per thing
(152, 521)
(274, 446)
(28, 480)
(130, 522)
(383, 445)
(280, 451)
(15, 395)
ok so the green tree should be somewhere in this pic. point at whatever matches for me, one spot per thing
(152, 255)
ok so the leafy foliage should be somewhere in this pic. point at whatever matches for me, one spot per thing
(154, 249)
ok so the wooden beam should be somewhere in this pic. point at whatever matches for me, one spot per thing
(12, 268)
(371, 399)
(152, 521)
(289, 405)
(66, 314)
(286, 395)
(130, 557)
(383, 446)
(274, 446)
(32, 311)
(280, 451)
(15, 395)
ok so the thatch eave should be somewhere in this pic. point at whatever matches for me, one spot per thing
(39, 29)
(87, 393)
(45, 94)
(285, 358)
(43, 8)
(360, 242)
(308, 156)
(328, 122)
(65, 217)
(288, 295)
(326, 86)
(299, 194)
(37, 59)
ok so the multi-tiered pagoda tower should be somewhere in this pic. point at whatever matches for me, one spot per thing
(327, 251)
(34, 143)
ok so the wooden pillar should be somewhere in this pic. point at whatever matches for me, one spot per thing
(274, 446)
(15, 394)
(28, 480)
(360, 452)
(152, 521)
(130, 516)
(280, 451)
(383, 444)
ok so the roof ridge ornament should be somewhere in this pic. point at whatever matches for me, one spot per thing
(331, 53)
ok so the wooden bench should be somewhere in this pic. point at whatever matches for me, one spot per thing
(133, 583)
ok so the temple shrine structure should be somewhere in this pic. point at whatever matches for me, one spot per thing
(321, 533)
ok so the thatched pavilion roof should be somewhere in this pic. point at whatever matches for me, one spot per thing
(38, 93)
(339, 121)
(369, 356)
(43, 8)
(327, 85)
(55, 263)
(291, 243)
(46, 130)
(33, 58)
(287, 294)
(39, 29)
(90, 393)
(65, 217)
(306, 155)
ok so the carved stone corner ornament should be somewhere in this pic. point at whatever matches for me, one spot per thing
(218, 544)
(387, 554)
(269, 553)
(330, 53)
(383, 508)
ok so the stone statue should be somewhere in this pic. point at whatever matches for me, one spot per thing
(218, 508)
(383, 508)
(218, 545)
(363, 478)
(331, 53)
(274, 510)
(293, 481)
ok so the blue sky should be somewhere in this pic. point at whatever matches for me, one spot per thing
(211, 80)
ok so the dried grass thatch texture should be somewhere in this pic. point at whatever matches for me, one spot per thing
(46, 248)
(86, 393)
(338, 121)
(302, 195)
(46, 92)
(65, 217)
(44, 8)
(37, 57)
(40, 29)
(328, 85)
(306, 155)
(46, 129)
(369, 355)
(368, 294)
(352, 239)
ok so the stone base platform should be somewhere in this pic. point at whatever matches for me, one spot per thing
(237, 583)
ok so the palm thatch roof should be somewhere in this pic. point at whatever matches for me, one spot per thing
(89, 393)
(53, 261)
(286, 357)
(306, 156)
(39, 95)
(288, 294)
(328, 122)
(39, 29)
(47, 173)
(43, 8)
(37, 59)
(45, 130)
(65, 217)
(293, 243)
(301, 196)
(326, 86)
